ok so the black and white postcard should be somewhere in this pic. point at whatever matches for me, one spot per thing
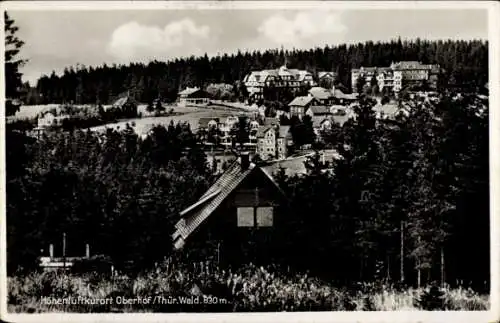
(250, 161)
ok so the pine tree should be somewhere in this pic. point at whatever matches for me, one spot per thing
(159, 108)
(13, 82)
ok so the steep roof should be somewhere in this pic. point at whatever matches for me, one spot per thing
(189, 91)
(318, 120)
(320, 93)
(262, 130)
(283, 131)
(123, 100)
(197, 213)
(325, 73)
(319, 110)
(301, 101)
(341, 95)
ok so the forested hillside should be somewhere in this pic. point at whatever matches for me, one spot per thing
(466, 63)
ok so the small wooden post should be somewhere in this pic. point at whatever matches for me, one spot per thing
(419, 271)
(64, 250)
(388, 267)
(218, 253)
(443, 278)
(402, 257)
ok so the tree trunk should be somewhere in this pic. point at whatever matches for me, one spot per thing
(418, 274)
(388, 268)
(401, 256)
(443, 277)
(361, 269)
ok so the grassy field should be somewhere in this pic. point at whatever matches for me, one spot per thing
(169, 289)
(190, 115)
(141, 125)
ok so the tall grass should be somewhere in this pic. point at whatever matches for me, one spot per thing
(248, 289)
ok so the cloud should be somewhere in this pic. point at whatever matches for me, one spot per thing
(304, 29)
(133, 41)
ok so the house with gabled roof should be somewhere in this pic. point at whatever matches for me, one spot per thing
(193, 96)
(273, 141)
(300, 104)
(239, 219)
(323, 96)
(318, 111)
(326, 77)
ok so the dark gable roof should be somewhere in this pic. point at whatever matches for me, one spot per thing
(194, 215)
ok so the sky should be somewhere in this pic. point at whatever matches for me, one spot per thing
(58, 39)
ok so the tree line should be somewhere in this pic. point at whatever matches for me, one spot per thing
(408, 201)
(465, 63)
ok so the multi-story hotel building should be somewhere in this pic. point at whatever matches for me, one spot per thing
(282, 77)
(273, 142)
(398, 75)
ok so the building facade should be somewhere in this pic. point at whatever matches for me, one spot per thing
(273, 142)
(398, 75)
(283, 77)
(300, 104)
(193, 96)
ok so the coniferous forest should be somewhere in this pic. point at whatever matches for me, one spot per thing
(465, 62)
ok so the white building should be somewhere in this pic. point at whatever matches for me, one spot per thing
(49, 119)
(193, 96)
(398, 75)
(283, 77)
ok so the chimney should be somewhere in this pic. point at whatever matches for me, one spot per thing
(51, 251)
(87, 250)
(245, 160)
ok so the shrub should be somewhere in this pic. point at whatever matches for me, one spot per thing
(98, 263)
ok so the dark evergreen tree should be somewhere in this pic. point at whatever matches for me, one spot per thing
(13, 82)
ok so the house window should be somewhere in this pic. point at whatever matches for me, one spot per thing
(245, 217)
(265, 216)
(255, 216)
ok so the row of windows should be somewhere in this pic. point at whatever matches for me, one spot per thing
(255, 216)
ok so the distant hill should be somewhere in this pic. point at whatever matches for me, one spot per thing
(465, 62)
